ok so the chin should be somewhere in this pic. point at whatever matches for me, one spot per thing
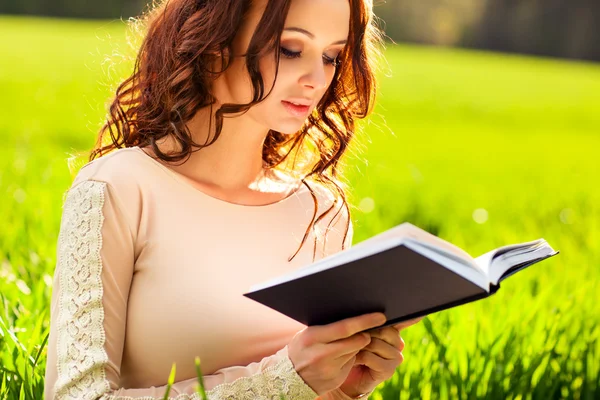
(290, 132)
(288, 129)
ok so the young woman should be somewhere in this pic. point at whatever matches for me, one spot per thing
(216, 170)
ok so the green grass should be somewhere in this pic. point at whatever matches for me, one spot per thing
(454, 132)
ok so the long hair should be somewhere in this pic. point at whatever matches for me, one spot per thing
(172, 76)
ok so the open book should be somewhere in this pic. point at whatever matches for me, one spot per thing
(405, 272)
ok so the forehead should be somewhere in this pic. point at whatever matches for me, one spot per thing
(321, 17)
(328, 19)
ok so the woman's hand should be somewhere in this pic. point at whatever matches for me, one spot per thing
(323, 355)
(406, 324)
(375, 363)
(378, 361)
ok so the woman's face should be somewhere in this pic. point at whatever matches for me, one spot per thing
(306, 65)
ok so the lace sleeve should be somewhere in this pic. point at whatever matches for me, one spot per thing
(94, 271)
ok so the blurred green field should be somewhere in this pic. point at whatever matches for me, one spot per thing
(480, 149)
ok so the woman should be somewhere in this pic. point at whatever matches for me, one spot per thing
(258, 98)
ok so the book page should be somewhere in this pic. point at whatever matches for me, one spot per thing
(501, 264)
(409, 230)
(485, 260)
(498, 261)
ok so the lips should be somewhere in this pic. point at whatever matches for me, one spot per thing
(296, 110)
(300, 101)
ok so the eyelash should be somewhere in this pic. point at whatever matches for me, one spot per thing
(291, 54)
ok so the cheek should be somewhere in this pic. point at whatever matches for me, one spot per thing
(239, 84)
(234, 85)
(271, 114)
(267, 70)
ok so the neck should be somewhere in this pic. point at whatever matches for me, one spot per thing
(234, 160)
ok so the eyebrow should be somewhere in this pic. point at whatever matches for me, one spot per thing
(310, 35)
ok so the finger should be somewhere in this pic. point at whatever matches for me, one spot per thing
(390, 335)
(376, 363)
(345, 359)
(351, 345)
(346, 327)
(383, 349)
(406, 324)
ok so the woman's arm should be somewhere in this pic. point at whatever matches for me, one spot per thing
(95, 261)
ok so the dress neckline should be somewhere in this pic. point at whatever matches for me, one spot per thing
(178, 177)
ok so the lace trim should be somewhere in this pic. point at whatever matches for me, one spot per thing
(80, 344)
(81, 338)
(279, 379)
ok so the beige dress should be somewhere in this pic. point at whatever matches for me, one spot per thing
(151, 271)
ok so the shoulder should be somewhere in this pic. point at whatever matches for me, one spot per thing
(120, 167)
(120, 177)
(113, 184)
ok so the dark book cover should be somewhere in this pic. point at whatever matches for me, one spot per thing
(399, 282)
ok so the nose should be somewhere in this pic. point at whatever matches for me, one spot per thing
(316, 76)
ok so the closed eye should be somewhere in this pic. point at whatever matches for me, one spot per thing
(296, 54)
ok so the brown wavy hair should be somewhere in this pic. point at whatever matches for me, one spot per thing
(172, 76)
